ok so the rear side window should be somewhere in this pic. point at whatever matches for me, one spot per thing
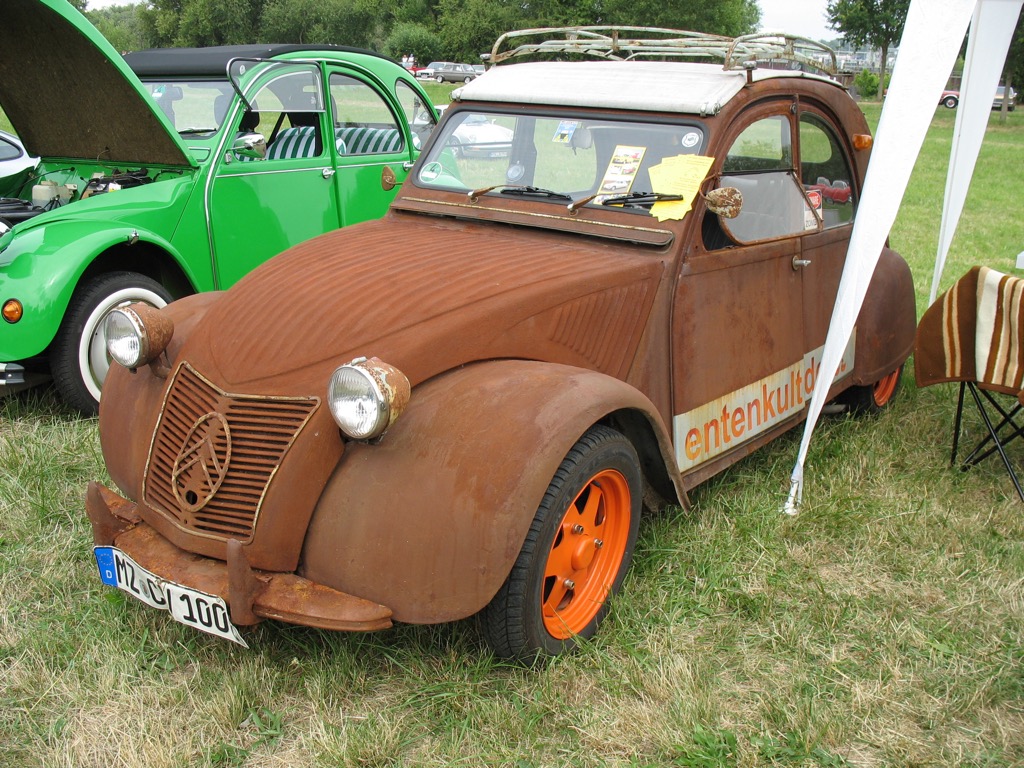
(825, 172)
(363, 122)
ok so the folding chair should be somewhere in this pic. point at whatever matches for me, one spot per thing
(972, 334)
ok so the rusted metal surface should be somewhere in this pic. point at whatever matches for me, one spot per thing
(518, 326)
(434, 515)
(256, 595)
(639, 42)
(724, 201)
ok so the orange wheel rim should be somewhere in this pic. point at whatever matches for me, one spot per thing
(885, 388)
(586, 554)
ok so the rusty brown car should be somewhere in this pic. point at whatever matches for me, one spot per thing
(457, 410)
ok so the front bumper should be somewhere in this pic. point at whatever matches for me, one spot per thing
(251, 595)
(11, 374)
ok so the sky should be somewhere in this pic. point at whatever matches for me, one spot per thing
(799, 17)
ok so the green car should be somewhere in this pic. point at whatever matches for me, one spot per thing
(168, 172)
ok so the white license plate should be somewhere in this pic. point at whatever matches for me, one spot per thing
(207, 613)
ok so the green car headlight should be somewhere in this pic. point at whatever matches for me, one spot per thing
(137, 334)
(366, 396)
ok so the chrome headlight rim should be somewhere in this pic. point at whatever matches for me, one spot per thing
(142, 326)
(115, 336)
(366, 396)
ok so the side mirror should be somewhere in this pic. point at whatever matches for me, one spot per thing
(253, 145)
(725, 202)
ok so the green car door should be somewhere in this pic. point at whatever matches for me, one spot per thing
(279, 190)
(373, 152)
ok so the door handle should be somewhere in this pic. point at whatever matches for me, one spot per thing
(798, 262)
(327, 172)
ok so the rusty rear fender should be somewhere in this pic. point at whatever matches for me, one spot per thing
(430, 520)
(887, 320)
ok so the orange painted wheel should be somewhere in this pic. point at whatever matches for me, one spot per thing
(885, 388)
(872, 398)
(576, 553)
(586, 555)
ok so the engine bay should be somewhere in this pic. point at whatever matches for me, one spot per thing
(39, 195)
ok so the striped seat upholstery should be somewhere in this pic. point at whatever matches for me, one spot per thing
(368, 141)
(299, 141)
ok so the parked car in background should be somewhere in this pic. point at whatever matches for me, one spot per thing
(997, 103)
(480, 136)
(458, 409)
(175, 171)
(447, 72)
(427, 72)
(15, 166)
(950, 99)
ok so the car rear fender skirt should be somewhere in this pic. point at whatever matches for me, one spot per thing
(429, 520)
(887, 320)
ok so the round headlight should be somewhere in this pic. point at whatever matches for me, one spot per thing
(126, 338)
(366, 396)
(136, 334)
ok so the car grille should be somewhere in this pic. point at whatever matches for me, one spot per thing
(215, 454)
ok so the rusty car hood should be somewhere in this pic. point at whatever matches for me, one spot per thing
(69, 94)
(444, 302)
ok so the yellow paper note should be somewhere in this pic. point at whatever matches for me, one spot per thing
(680, 175)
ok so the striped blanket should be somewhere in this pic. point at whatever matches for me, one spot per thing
(973, 332)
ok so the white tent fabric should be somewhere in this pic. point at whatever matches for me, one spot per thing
(991, 32)
(932, 37)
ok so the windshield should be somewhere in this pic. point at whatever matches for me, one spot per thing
(494, 153)
(193, 106)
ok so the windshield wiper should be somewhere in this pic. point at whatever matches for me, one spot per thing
(537, 192)
(183, 131)
(640, 199)
(519, 189)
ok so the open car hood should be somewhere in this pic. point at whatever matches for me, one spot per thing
(68, 93)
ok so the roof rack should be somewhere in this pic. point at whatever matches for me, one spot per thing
(627, 43)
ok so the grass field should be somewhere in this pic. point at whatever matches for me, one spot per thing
(884, 626)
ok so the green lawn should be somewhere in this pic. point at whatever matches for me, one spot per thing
(881, 627)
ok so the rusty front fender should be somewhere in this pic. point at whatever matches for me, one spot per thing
(430, 520)
(887, 320)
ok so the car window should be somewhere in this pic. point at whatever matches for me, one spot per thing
(363, 122)
(286, 103)
(564, 154)
(8, 151)
(418, 116)
(760, 165)
(825, 172)
(192, 106)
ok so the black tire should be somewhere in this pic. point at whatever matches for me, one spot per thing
(514, 625)
(949, 102)
(439, 79)
(455, 147)
(873, 398)
(468, 79)
(78, 357)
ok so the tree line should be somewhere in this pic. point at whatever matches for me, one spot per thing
(450, 30)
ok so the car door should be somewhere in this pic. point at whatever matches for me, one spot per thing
(739, 348)
(259, 206)
(826, 172)
(373, 143)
